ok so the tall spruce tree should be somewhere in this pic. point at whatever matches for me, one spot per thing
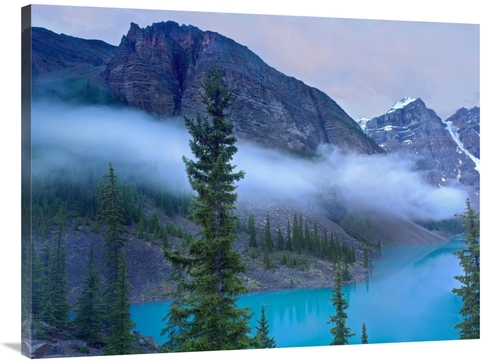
(268, 238)
(288, 245)
(208, 314)
(280, 245)
(252, 231)
(111, 215)
(262, 338)
(117, 320)
(56, 303)
(119, 323)
(341, 333)
(89, 312)
(469, 290)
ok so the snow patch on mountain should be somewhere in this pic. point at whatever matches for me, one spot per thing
(401, 104)
(454, 134)
(362, 123)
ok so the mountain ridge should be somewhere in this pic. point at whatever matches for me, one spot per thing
(411, 128)
(159, 69)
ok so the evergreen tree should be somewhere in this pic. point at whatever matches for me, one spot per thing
(267, 260)
(27, 275)
(176, 317)
(281, 240)
(32, 282)
(110, 214)
(89, 312)
(55, 289)
(116, 293)
(315, 238)
(364, 336)
(341, 333)
(252, 231)
(262, 336)
(288, 245)
(296, 234)
(268, 238)
(120, 324)
(308, 243)
(208, 314)
(469, 290)
(37, 284)
(47, 314)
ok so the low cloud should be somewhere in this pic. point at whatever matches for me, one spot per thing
(152, 149)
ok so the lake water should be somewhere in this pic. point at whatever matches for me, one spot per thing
(406, 298)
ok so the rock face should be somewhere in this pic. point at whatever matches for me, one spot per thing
(160, 69)
(411, 128)
(464, 128)
(466, 124)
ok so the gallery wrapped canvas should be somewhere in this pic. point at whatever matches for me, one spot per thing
(197, 181)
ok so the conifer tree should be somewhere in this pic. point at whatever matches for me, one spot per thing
(268, 238)
(37, 286)
(117, 320)
(164, 236)
(308, 243)
(27, 275)
(281, 240)
(341, 333)
(55, 289)
(47, 314)
(315, 238)
(267, 260)
(119, 323)
(32, 282)
(208, 313)
(110, 214)
(469, 290)
(296, 234)
(252, 231)
(175, 318)
(288, 245)
(262, 338)
(89, 312)
(364, 336)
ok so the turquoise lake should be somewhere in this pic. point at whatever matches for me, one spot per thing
(406, 298)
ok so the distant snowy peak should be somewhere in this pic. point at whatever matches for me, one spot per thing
(362, 123)
(401, 104)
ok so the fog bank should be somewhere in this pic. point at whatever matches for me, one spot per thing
(153, 150)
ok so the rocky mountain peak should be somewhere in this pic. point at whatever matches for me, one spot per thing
(410, 128)
(402, 103)
(160, 69)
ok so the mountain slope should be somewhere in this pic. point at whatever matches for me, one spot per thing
(464, 127)
(411, 129)
(159, 69)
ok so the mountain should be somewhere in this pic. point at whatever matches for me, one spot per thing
(68, 68)
(160, 69)
(442, 150)
(464, 124)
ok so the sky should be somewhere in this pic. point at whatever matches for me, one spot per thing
(364, 65)
(481, 12)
